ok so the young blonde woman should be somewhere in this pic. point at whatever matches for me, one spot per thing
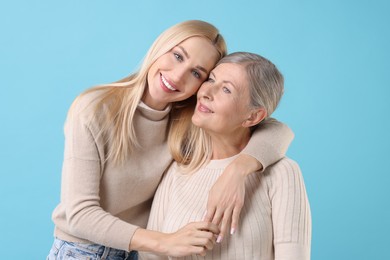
(116, 152)
(242, 91)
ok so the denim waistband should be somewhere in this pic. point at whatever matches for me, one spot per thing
(101, 251)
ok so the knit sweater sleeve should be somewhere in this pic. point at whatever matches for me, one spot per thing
(82, 172)
(269, 142)
(290, 211)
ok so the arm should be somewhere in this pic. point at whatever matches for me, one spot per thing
(81, 176)
(291, 217)
(194, 238)
(268, 144)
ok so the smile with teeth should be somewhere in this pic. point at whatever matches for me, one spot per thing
(166, 84)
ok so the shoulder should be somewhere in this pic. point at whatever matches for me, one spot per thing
(283, 168)
(172, 171)
(86, 101)
(89, 107)
(173, 168)
(285, 179)
(287, 162)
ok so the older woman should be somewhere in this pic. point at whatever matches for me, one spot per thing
(239, 96)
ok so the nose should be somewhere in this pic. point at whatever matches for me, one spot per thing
(178, 75)
(206, 91)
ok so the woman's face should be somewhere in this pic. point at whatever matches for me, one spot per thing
(177, 74)
(223, 100)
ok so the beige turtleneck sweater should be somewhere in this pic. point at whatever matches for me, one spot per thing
(104, 203)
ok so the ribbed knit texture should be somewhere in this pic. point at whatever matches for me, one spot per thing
(275, 222)
(103, 203)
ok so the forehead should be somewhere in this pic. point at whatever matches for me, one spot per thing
(200, 51)
(234, 73)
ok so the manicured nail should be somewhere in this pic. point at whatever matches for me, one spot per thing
(219, 239)
(232, 231)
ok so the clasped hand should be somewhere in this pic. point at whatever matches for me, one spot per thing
(194, 238)
(226, 197)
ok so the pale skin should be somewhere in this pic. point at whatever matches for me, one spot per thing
(176, 76)
(220, 110)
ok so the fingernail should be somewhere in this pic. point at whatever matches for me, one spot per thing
(219, 239)
(232, 231)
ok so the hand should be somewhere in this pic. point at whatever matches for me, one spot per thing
(194, 238)
(226, 197)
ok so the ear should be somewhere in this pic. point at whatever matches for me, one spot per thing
(256, 116)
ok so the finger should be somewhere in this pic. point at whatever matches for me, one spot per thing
(207, 242)
(207, 226)
(209, 214)
(224, 224)
(198, 250)
(217, 217)
(235, 219)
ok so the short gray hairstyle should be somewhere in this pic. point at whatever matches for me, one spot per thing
(266, 83)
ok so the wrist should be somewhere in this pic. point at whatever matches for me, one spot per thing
(246, 164)
(148, 240)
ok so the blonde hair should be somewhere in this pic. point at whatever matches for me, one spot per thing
(266, 87)
(119, 100)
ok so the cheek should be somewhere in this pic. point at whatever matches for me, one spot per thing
(193, 86)
(234, 113)
(152, 70)
(163, 63)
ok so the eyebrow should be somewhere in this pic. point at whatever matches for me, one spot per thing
(185, 52)
(225, 81)
(188, 56)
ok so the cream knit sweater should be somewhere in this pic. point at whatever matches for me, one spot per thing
(275, 222)
(103, 203)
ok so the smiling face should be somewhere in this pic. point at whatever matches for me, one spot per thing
(223, 104)
(177, 74)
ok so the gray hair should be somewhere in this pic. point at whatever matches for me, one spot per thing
(266, 83)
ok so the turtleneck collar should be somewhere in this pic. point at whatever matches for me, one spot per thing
(152, 114)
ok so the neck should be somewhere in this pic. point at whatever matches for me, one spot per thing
(154, 104)
(225, 146)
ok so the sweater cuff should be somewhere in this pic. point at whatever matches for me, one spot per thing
(292, 251)
(124, 233)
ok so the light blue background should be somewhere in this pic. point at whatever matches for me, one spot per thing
(334, 55)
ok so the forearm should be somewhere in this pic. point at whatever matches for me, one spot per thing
(245, 164)
(81, 214)
(269, 142)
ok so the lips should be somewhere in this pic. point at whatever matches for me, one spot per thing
(204, 109)
(166, 84)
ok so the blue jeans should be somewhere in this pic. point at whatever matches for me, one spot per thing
(68, 250)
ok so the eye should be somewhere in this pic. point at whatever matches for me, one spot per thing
(196, 74)
(210, 79)
(178, 56)
(226, 90)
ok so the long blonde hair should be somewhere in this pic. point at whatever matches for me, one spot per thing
(118, 101)
(266, 87)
